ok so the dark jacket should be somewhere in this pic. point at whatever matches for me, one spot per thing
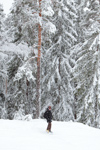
(48, 115)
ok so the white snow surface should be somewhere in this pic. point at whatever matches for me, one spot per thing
(31, 135)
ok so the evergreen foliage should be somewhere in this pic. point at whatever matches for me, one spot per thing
(85, 72)
(57, 89)
(2, 26)
(70, 60)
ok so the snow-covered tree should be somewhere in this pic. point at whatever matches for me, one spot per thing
(86, 77)
(3, 59)
(44, 27)
(2, 25)
(20, 81)
(64, 36)
(57, 89)
(81, 5)
(21, 22)
(26, 20)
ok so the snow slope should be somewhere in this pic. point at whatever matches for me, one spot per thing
(31, 135)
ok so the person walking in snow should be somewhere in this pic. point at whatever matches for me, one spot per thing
(48, 117)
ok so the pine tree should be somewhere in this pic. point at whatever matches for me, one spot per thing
(25, 16)
(38, 65)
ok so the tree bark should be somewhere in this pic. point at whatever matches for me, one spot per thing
(38, 67)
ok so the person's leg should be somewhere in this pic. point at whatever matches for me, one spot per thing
(49, 126)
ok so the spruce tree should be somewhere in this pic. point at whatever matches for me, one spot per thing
(57, 89)
(86, 76)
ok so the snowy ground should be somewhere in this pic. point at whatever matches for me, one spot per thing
(31, 135)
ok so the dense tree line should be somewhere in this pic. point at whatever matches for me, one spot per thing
(70, 60)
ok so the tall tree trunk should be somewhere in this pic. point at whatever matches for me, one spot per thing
(38, 66)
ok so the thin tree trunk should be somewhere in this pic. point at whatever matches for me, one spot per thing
(38, 66)
(6, 86)
(75, 107)
(59, 98)
(27, 84)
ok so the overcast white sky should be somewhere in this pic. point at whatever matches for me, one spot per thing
(6, 5)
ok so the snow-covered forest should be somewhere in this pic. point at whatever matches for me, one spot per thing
(50, 55)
